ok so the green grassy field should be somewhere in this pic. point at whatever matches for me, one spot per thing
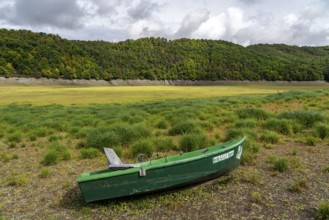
(50, 135)
(82, 95)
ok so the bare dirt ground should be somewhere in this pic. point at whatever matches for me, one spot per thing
(254, 191)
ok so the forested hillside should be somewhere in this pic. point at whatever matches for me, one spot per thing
(27, 54)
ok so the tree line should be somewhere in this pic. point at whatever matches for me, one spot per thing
(27, 54)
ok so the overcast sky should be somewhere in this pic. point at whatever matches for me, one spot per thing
(294, 22)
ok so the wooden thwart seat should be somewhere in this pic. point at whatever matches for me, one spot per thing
(114, 162)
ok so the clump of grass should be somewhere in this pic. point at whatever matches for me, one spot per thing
(250, 150)
(190, 142)
(256, 113)
(42, 132)
(55, 153)
(53, 138)
(253, 176)
(234, 133)
(15, 137)
(322, 131)
(257, 197)
(32, 136)
(4, 157)
(116, 135)
(306, 118)
(162, 124)
(44, 173)
(183, 127)
(15, 156)
(164, 144)
(17, 180)
(143, 146)
(282, 126)
(299, 186)
(326, 169)
(88, 153)
(247, 123)
(270, 137)
(311, 140)
(323, 211)
(279, 164)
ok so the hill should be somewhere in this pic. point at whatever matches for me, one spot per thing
(27, 54)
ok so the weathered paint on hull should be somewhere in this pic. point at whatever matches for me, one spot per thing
(163, 177)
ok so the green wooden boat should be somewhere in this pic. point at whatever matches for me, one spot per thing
(121, 180)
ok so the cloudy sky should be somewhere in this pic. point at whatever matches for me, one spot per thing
(295, 22)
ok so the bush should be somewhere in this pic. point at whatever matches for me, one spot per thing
(183, 127)
(259, 114)
(270, 137)
(323, 212)
(89, 153)
(190, 142)
(144, 146)
(322, 131)
(306, 118)
(279, 164)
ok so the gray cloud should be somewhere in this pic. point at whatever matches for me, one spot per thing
(250, 2)
(56, 13)
(192, 22)
(143, 10)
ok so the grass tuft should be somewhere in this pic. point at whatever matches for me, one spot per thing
(323, 211)
(270, 137)
(190, 142)
(88, 153)
(279, 164)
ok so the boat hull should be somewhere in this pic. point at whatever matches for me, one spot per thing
(166, 175)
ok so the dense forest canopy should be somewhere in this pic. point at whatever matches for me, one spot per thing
(27, 54)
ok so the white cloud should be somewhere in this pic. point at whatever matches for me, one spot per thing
(301, 22)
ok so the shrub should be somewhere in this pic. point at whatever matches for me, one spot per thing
(322, 131)
(183, 127)
(252, 113)
(89, 153)
(15, 137)
(279, 164)
(190, 142)
(306, 118)
(143, 146)
(323, 212)
(270, 137)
